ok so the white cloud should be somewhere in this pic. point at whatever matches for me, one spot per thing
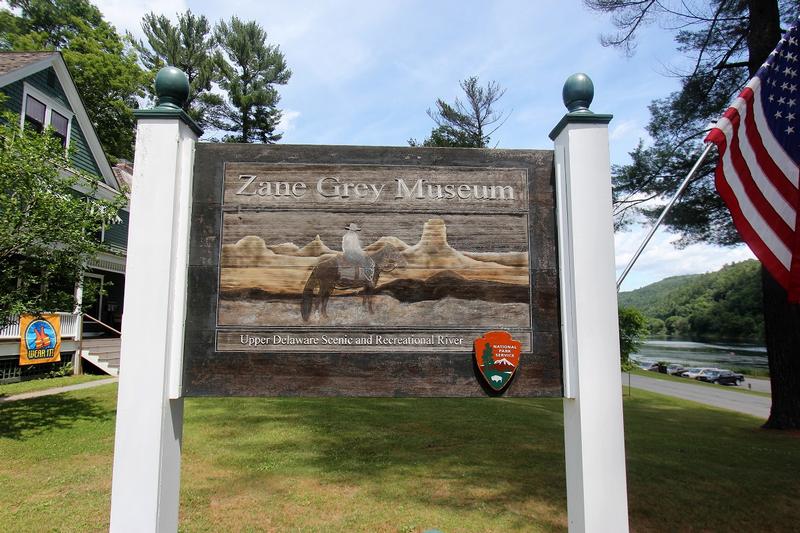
(661, 259)
(625, 129)
(288, 118)
(127, 14)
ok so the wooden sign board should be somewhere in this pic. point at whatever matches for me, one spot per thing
(369, 271)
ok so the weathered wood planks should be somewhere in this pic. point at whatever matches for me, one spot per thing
(475, 232)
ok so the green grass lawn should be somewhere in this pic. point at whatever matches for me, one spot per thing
(10, 389)
(398, 465)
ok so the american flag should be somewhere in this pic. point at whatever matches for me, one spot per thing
(757, 175)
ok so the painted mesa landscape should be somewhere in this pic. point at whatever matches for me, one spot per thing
(483, 283)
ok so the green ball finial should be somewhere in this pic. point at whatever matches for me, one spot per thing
(578, 93)
(172, 88)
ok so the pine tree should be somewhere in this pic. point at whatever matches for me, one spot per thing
(189, 46)
(466, 124)
(249, 70)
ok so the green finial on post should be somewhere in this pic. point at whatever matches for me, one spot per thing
(172, 88)
(172, 91)
(578, 93)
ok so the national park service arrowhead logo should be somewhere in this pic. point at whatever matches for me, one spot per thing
(497, 355)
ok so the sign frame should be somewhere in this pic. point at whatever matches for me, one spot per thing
(208, 372)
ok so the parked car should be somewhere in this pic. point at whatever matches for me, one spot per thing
(722, 377)
(707, 374)
(739, 377)
(652, 367)
(675, 369)
(691, 372)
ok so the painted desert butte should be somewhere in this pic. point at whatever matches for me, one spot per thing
(284, 268)
(432, 271)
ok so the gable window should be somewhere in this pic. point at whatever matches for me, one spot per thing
(60, 125)
(34, 113)
(41, 111)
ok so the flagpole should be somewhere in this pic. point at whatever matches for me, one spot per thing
(680, 190)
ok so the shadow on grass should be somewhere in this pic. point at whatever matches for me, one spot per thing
(25, 418)
(501, 458)
(453, 453)
(719, 468)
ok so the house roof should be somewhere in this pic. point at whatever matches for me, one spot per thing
(15, 66)
(123, 171)
(10, 61)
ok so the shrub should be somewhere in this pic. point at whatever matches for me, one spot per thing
(632, 327)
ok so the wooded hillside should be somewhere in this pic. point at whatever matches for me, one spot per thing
(724, 304)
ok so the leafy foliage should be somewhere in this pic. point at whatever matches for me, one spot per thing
(109, 80)
(47, 229)
(105, 72)
(249, 70)
(632, 328)
(467, 124)
(45, 24)
(724, 304)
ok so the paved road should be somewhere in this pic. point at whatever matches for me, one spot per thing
(756, 384)
(749, 404)
(57, 390)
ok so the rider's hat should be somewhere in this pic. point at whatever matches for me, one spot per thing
(352, 227)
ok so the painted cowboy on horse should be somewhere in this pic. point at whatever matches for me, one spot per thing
(353, 269)
(354, 263)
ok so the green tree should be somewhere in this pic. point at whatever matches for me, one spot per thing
(632, 327)
(45, 24)
(677, 326)
(725, 304)
(105, 73)
(249, 70)
(108, 79)
(487, 357)
(189, 46)
(725, 41)
(656, 327)
(469, 123)
(47, 229)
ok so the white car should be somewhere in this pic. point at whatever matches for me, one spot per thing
(695, 373)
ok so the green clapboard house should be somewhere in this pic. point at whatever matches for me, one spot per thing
(38, 87)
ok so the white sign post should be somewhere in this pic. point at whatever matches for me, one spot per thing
(147, 448)
(593, 430)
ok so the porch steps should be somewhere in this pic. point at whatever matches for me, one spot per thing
(103, 353)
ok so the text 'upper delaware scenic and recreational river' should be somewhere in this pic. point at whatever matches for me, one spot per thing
(313, 341)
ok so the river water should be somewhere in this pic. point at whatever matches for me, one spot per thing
(690, 353)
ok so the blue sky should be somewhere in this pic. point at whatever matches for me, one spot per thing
(364, 73)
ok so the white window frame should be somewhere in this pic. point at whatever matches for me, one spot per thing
(50, 105)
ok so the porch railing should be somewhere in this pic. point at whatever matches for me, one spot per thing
(69, 327)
